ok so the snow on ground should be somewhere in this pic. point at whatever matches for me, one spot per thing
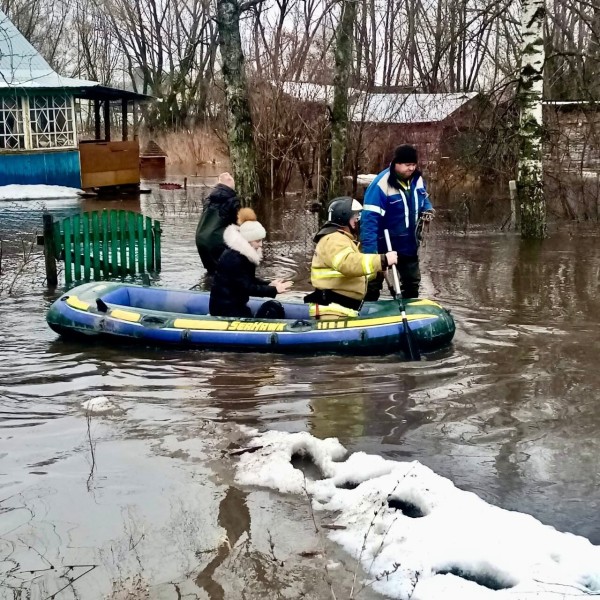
(37, 192)
(417, 535)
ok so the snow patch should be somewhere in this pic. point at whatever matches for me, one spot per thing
(37, 192)
(417, 535)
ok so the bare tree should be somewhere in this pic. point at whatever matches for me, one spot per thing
(344, 60)
(168, 48)
(96, 59)
(239, 123)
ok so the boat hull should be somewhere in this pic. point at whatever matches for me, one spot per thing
(160, 316)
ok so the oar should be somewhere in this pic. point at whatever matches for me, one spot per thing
(411, 345)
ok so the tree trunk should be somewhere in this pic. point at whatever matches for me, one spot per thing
(412, 47)
(593, 75)
(452, 46)
(239, 120)
(339, 116)
(531, 85)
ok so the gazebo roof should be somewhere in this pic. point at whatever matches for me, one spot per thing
(22, 67)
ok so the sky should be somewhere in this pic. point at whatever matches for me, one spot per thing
(418, 536)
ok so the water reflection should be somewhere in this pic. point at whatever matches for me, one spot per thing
(530, 311)
(234, 518)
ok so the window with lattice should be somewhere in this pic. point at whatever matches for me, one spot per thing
(12, 135)
(52, 122)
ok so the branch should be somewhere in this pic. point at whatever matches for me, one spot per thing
(249, 4)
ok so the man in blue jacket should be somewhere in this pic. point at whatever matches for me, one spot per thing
(396, 200)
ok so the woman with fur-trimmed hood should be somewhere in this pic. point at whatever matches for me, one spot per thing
(235, 277)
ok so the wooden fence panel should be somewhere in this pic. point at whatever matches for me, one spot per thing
(85, 224)
(103, 244)
(96, 245)
(123, 242)
(114, 242)
(131, 240)
(76, 246)
(140, 240)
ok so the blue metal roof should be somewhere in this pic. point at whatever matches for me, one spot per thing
(23, 67)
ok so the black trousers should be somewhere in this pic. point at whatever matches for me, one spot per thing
(410, 278)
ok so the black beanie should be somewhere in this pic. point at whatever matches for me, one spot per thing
(405, 154)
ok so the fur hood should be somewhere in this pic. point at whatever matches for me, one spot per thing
(233, 239)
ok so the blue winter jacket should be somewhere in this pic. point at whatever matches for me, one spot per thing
(386, 207)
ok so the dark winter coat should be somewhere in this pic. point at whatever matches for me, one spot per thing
(221, 210)
(389, 206)
(235, 278)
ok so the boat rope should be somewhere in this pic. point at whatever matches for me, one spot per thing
(423, 228)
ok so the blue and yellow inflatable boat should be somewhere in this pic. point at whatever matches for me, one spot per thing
(153, 315)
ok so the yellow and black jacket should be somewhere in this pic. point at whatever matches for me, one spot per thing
(339, 267)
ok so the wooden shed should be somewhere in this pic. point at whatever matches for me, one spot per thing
(572, 157)
(573, 135)
(382, 119)
(427, 121)
(153, 160)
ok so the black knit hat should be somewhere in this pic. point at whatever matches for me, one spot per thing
(405, 154)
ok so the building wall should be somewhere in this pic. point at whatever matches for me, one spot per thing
(447, 183)
(573, 140)
(38, 141)
(52, 168)
(379, 141)
(572, 161)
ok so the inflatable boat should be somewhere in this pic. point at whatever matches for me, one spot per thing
(153, 315)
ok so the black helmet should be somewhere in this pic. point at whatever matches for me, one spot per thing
(341, 210)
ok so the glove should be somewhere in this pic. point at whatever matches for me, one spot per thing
(428, 215)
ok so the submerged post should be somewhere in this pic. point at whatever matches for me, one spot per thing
(157, 250)
(107, 120)
(124, 124)
(49, 254)
(512, 188)
(96, 119)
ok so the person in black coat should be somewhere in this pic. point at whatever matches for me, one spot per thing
(235, 277)
(221, 210)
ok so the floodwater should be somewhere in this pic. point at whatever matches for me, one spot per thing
(140, 501)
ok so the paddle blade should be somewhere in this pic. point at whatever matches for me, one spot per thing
(412, 348)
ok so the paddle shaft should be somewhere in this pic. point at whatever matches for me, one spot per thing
(413, 350)
(388, 244)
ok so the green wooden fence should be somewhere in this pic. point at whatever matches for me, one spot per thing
(101, 244)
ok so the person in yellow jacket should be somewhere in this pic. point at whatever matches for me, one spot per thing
(339, 270)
